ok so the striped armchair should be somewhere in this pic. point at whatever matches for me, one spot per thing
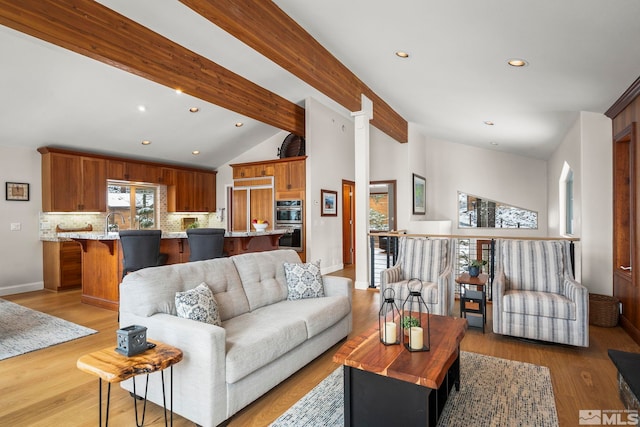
(429, 260)
(535, 295)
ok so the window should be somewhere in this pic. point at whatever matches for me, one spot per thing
(566, 200)
(136, 204)
(479, 212)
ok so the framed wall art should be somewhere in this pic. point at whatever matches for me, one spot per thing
(17, 191)
(419, 195)
(329, 200)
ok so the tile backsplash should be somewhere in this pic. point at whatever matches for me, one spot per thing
(169, 222)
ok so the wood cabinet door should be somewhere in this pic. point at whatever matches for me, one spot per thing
(262, 205)
(290, 176)
(63, 185)
(94, 184)
(204, 189)
(184, 191)
(239, 209)
(117, 169)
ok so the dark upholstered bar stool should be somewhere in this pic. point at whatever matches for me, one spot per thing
(205, 243)
(141, 249)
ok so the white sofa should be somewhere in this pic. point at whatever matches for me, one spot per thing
(264, 337)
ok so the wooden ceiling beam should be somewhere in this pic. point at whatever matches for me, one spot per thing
(267, 29)
(93, 30)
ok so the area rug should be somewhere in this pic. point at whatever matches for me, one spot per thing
(493, 392)
(23, 330)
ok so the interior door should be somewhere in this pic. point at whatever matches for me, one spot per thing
(348, 222)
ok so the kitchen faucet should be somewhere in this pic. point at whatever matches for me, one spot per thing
(106, 221)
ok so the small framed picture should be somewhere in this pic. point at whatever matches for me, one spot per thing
(329, 201)
(17, 191)
(419, 195)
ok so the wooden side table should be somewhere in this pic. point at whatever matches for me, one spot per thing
(473, 296)
(112, 367)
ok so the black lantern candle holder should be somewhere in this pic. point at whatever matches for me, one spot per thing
(416, 338)
(388, 319)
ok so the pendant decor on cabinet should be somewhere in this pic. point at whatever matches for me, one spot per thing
(292, 146)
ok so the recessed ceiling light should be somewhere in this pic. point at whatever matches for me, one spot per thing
(195, 152)
(402, 54)
(142, 108)
(194, 109)
(489, 123)
(239, 124)
(146, 142)
(517, 62)
(179, 91)
(494, 143)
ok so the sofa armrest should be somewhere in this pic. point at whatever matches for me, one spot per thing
(390, 275)
(336, 286)
(200, 378)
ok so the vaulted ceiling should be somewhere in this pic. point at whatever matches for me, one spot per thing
(581, 55)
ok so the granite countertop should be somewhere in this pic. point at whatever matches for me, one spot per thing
(92, 235)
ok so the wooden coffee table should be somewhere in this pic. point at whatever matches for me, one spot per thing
(388, 385)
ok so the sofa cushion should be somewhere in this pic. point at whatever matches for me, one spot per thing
(532, 265)
(153, 290)
(198, 304)
(303, 280)
(318, 314)
(543, 304)
(254, 341)
(262, 275)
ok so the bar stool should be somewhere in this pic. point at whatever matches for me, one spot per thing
(141, 249)
(205, 243)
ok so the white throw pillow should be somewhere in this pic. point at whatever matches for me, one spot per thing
(198, 304)
(303, 280)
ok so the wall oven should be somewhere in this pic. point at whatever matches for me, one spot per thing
(289, 211)
(289, 217)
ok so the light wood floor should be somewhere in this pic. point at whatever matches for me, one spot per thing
(44, 388)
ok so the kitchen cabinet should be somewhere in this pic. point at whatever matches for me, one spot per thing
(72, 183)
(123, 170)
(193, 192)
(77, 182)
(290, 176)
(62, 265)
(253, 170)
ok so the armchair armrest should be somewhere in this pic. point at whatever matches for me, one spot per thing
(390, 275)
(575, 291)
(446, 291)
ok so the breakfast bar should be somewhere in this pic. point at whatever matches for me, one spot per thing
(102, 258)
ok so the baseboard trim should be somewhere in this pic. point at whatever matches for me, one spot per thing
(20, 289)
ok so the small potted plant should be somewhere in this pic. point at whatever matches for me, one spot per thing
(409, 322)
(475, 265)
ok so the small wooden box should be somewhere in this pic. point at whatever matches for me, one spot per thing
(132, 340)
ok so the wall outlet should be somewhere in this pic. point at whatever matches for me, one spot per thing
(16, 226)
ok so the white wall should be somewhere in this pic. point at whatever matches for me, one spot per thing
(503, 177)
(21, 258)
(587, 148)
(331, 151)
